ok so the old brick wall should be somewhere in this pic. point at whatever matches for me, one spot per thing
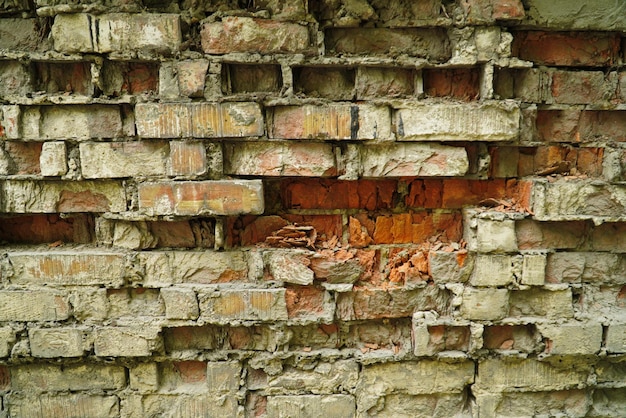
(332, 208)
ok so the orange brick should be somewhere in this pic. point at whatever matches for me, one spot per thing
(225, 197)
(39, 229)
(589, 49)
(460, 83)
(304, 301)
(23, 156)
(417, 227)
(337, 194)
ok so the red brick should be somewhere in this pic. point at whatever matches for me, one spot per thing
(64, 77)
(486, 11)
(460, 83)
(445, 338)
(558, 125)
(581, 126)
(225, 197)
(337, 194)
(305, 301)
(244, 34)
(39, 229)
(416, 227)
(141, 78)
(510, 337)
(191, 371)
(581, 87)
(579, 49)
(582, 160)
(5, 378)
(23, 156)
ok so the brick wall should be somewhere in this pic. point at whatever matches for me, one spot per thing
(277, 208)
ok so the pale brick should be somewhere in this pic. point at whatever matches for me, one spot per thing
(542, 302)
(336, 121)
(496, 375)
(7, 338)
(70, 405)
(144, 377)
(616, 338)
(174, 267)
(117, 32)
(534, 269)
(244, 34)
(126, 341)
(53, 159)
(131, 235)
(290, 267)
(44, 378)
(56, 342)
(428, 377)
(71, 122)
(572, 338)
(187, 158)
(20, 34)
(10, 122)
(495, 236)
(450, 267)
(497, 121)
(90, 304)
(399, 405)
(223, 306)
(15, 79)
(67, 268)
(280, 159)
(180, 406)
(223, 376)
(198, 120)
(325, 378)
(180, 303)
(409, 160)
(493, 270)
(485, 304)
(191, 77)
(123, 159)
(311, 406)
(33, 305)
(225, 197)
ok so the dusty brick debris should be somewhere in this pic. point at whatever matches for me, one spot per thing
(312, 208)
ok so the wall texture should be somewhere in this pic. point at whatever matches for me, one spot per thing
(274, 208)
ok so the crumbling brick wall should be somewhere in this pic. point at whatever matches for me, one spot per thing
(332, 208)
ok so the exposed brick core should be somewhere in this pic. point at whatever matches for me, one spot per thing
(312, 208)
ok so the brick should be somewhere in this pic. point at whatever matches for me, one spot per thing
(132, 303)
(432, 44)
(33, 305)
(499, 375)
(582, 87)
(15, 79)
(490, 121)
(7, 338)
(521, 338)
(14, 7)
(198, 120)
(378, 380)
(533, 235)
(460, 83)
(67, 268)
(366, 303)
(564, 200)
(334, 83)
(244, 34)
(126, 341)
(574, 402)
(164, 268)
(485, 304)
(616, 338)
(110, 33)
(187, 158)
(226, 197)
(494, 270)
(575, 49)
(183, 234)
(334, 121)
(95, 406)
(542, 303)
(312, 406)
(280, 159)
(563, 160)
(144, 377)
(416, 227)
(180, 405)
(289, 267)
(373, 82)
(20, 158)
(223, 376)
(191, 77)
(52, 378)
(255, 78)
(180, 303)
(71, 122)
(324, 378)
(432, 405)
(123, 159)
(53, 160)
(51, 343)
(572, 338)
(10, 116)
(190, 337)
(494, 236)
(337, 194)
(89, 304)
(248, 305)
(20, 34)
(309, 303)
(40, 229)
(534, 269)
(69, 77)
(450, 267)
(604, 15)
(413, 159)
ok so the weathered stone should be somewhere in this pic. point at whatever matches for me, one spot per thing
(311, 406)
(7, 338)
(95, 406)
(616, 338)
(45, 378)
(179, 405)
